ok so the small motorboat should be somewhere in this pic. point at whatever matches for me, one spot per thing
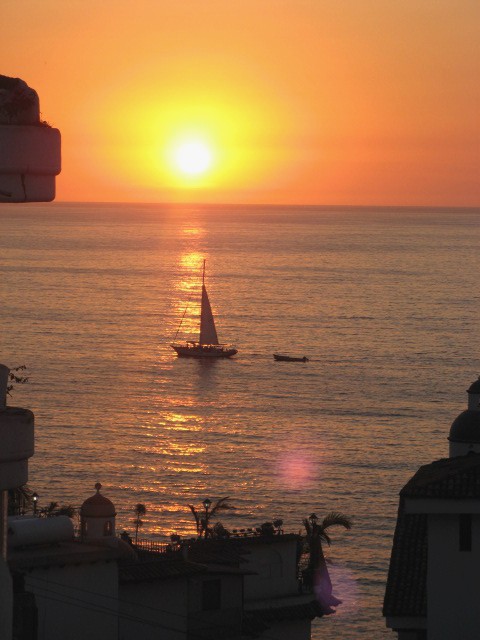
(281, 358)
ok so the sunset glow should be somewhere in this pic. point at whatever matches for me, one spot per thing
(317, 103)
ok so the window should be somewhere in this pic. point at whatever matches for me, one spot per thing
(465, 532)
(107, 528)
(211, 595)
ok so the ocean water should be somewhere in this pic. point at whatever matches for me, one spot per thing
(385, 303)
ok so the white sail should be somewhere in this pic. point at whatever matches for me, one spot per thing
(208, 333)
(207, 345)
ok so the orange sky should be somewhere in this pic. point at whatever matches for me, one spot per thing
(300, 101)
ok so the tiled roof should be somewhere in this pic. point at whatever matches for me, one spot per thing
(450, 478)
(406, 593)
(447, 479)
(157, 570)
(59, 555)
(254, 623)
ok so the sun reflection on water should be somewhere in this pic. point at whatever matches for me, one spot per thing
(193, 231)
(194, 262)
(179, 422)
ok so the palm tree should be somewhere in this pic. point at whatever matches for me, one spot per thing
(202, 520)
(54, 509)
(66, 510)
(19, 500)
(317, 576)
(15, 377)
(140, 510)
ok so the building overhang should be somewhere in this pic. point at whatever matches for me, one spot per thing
(439, 505)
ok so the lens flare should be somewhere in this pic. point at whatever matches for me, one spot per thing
(296, 470)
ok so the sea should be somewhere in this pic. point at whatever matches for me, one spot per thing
(383, 301)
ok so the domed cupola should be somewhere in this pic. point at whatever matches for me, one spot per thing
(464, 434)
(97, 516)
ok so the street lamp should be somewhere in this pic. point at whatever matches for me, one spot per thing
(35, 500)
(313, 520)
(206, 503)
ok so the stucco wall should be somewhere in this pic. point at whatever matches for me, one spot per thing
(223, 622)
(153, 610)
(276, 567)
(453, 580)
(76, 601)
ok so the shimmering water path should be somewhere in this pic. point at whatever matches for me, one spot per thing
(385, 303)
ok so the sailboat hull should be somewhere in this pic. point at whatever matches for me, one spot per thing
(195, 350)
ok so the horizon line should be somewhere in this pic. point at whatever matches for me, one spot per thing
(258, 204)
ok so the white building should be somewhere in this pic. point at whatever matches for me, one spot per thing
(74, 582)
(272, 605)
(75, 589)
(175, 599)
(434, 577)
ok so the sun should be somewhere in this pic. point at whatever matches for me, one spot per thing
(193, 158)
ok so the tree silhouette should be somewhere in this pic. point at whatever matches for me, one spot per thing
(202, 518)
(15, 377)
(19, 500)
(316, 576)
(139, 510)
(54, 509)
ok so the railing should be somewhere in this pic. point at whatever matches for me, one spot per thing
(258, 531)
(156, 547)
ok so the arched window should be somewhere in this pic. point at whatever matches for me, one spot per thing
(107, 528)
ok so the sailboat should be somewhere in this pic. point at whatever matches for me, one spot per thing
(207, 345)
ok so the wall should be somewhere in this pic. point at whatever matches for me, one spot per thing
(453, 580)
(276, 566)
(76, 602)
(143, 607)
(222, 622)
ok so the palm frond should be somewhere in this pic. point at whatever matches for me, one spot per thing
(324, 537)
(221, 505)
(66, 510)
(307, 525)
(334, 518)
(195, 515)
(140, 509)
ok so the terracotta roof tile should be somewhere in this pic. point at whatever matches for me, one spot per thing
(449, 478)
(406, 593)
